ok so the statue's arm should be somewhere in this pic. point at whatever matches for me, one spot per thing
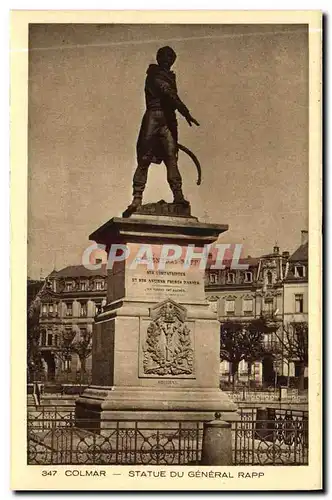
(171, 93)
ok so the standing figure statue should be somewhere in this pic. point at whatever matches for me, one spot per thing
(158, 136)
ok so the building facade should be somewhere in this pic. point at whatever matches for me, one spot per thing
(70, 300)
(273, 286)
(296, 297)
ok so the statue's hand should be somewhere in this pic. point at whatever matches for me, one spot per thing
(191, 120)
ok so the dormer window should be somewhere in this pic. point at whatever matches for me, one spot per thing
(51, 283)
(99, 285)
(248, 277)
(299, 272)
(69, 287)
(213, 278)
(83, 286)
(269, 278)
(230, 278)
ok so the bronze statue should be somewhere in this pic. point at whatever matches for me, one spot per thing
(158, 136)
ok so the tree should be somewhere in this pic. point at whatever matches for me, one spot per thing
(293, 345)
(83, 348)
(242, 341)
(65, 350)
(34, 357)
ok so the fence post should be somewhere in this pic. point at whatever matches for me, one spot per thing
(261, 427)
(217, 442)
(265, 424)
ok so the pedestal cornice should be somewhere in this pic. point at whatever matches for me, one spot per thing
(157, 229)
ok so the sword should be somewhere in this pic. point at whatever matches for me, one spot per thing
(195, 160)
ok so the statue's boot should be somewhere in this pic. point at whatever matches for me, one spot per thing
(135, 204)
(179, 198)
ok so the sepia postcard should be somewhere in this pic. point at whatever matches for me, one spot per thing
(166, 250)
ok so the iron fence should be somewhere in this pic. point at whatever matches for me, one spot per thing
(60, 441)
(42, 418)
(270, 437)
(261, 436)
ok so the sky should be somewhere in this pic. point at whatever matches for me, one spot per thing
(247, 85)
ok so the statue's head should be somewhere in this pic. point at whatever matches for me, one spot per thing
(166, 57)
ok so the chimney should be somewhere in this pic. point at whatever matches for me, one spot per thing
(304, 236)
(285, 255)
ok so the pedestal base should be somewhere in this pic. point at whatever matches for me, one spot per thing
(101, 404)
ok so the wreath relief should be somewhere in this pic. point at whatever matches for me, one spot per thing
(167, 349)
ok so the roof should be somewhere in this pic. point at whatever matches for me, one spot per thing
(79, 272)
(300, 254)
(250, 261)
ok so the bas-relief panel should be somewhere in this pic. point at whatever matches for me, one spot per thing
(167, 343)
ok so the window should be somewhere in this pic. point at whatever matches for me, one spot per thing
(49, 339)
(230, 278)
(69, 286)
(83, 286)
(268, 306)
(99, 285)
(297, 369)
(213, 278)
(69, 311)
(299, 303)
(55, 340)
(299, 272)
(247, 305)
(248, 277)
(43, 338)
(83, 310)
(50, 308)
(230, 306)
(44, 310)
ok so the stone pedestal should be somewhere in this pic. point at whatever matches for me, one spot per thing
(156, 343)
